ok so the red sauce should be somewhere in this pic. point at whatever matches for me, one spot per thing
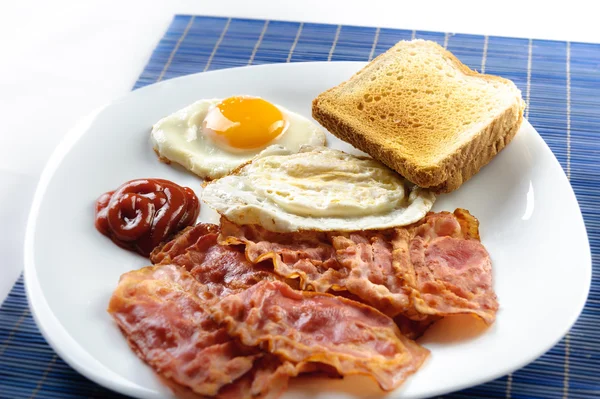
(142, 213)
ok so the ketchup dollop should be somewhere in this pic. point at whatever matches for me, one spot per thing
(142, 213)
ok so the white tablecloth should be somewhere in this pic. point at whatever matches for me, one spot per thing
(60, 59)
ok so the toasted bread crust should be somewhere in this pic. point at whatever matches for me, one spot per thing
(449, 170)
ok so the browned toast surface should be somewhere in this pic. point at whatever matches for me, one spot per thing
(423, 113)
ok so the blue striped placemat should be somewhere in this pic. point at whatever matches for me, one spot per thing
(559, 80)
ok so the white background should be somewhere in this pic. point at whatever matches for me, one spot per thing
(59, 60)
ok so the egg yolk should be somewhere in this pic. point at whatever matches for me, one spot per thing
(244, 123)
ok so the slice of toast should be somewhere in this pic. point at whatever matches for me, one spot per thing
(423, 113)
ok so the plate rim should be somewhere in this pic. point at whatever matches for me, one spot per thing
(49, 326)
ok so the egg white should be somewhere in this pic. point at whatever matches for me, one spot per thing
(317, 188)
(179, 138)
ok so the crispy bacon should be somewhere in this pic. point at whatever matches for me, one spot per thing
(170, 300)
(267, 380)
(270, 377)
(167, 325)
(451, 270)
(302, 327)
(372, 276)
(213, 317)
(165, 252)
(306, 256)
(220, 269)
(436, 267)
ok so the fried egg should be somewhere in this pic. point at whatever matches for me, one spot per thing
(213, 137)
(317, 188)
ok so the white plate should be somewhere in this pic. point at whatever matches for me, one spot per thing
(530, 223)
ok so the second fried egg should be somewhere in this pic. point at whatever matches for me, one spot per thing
(317, 189)
(212, 137)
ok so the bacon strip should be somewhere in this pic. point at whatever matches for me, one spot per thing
(451, 270)
(220, 269)
(436, 267)
(167, 302)
(166, 324)
(182, 242)
(302, 326)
